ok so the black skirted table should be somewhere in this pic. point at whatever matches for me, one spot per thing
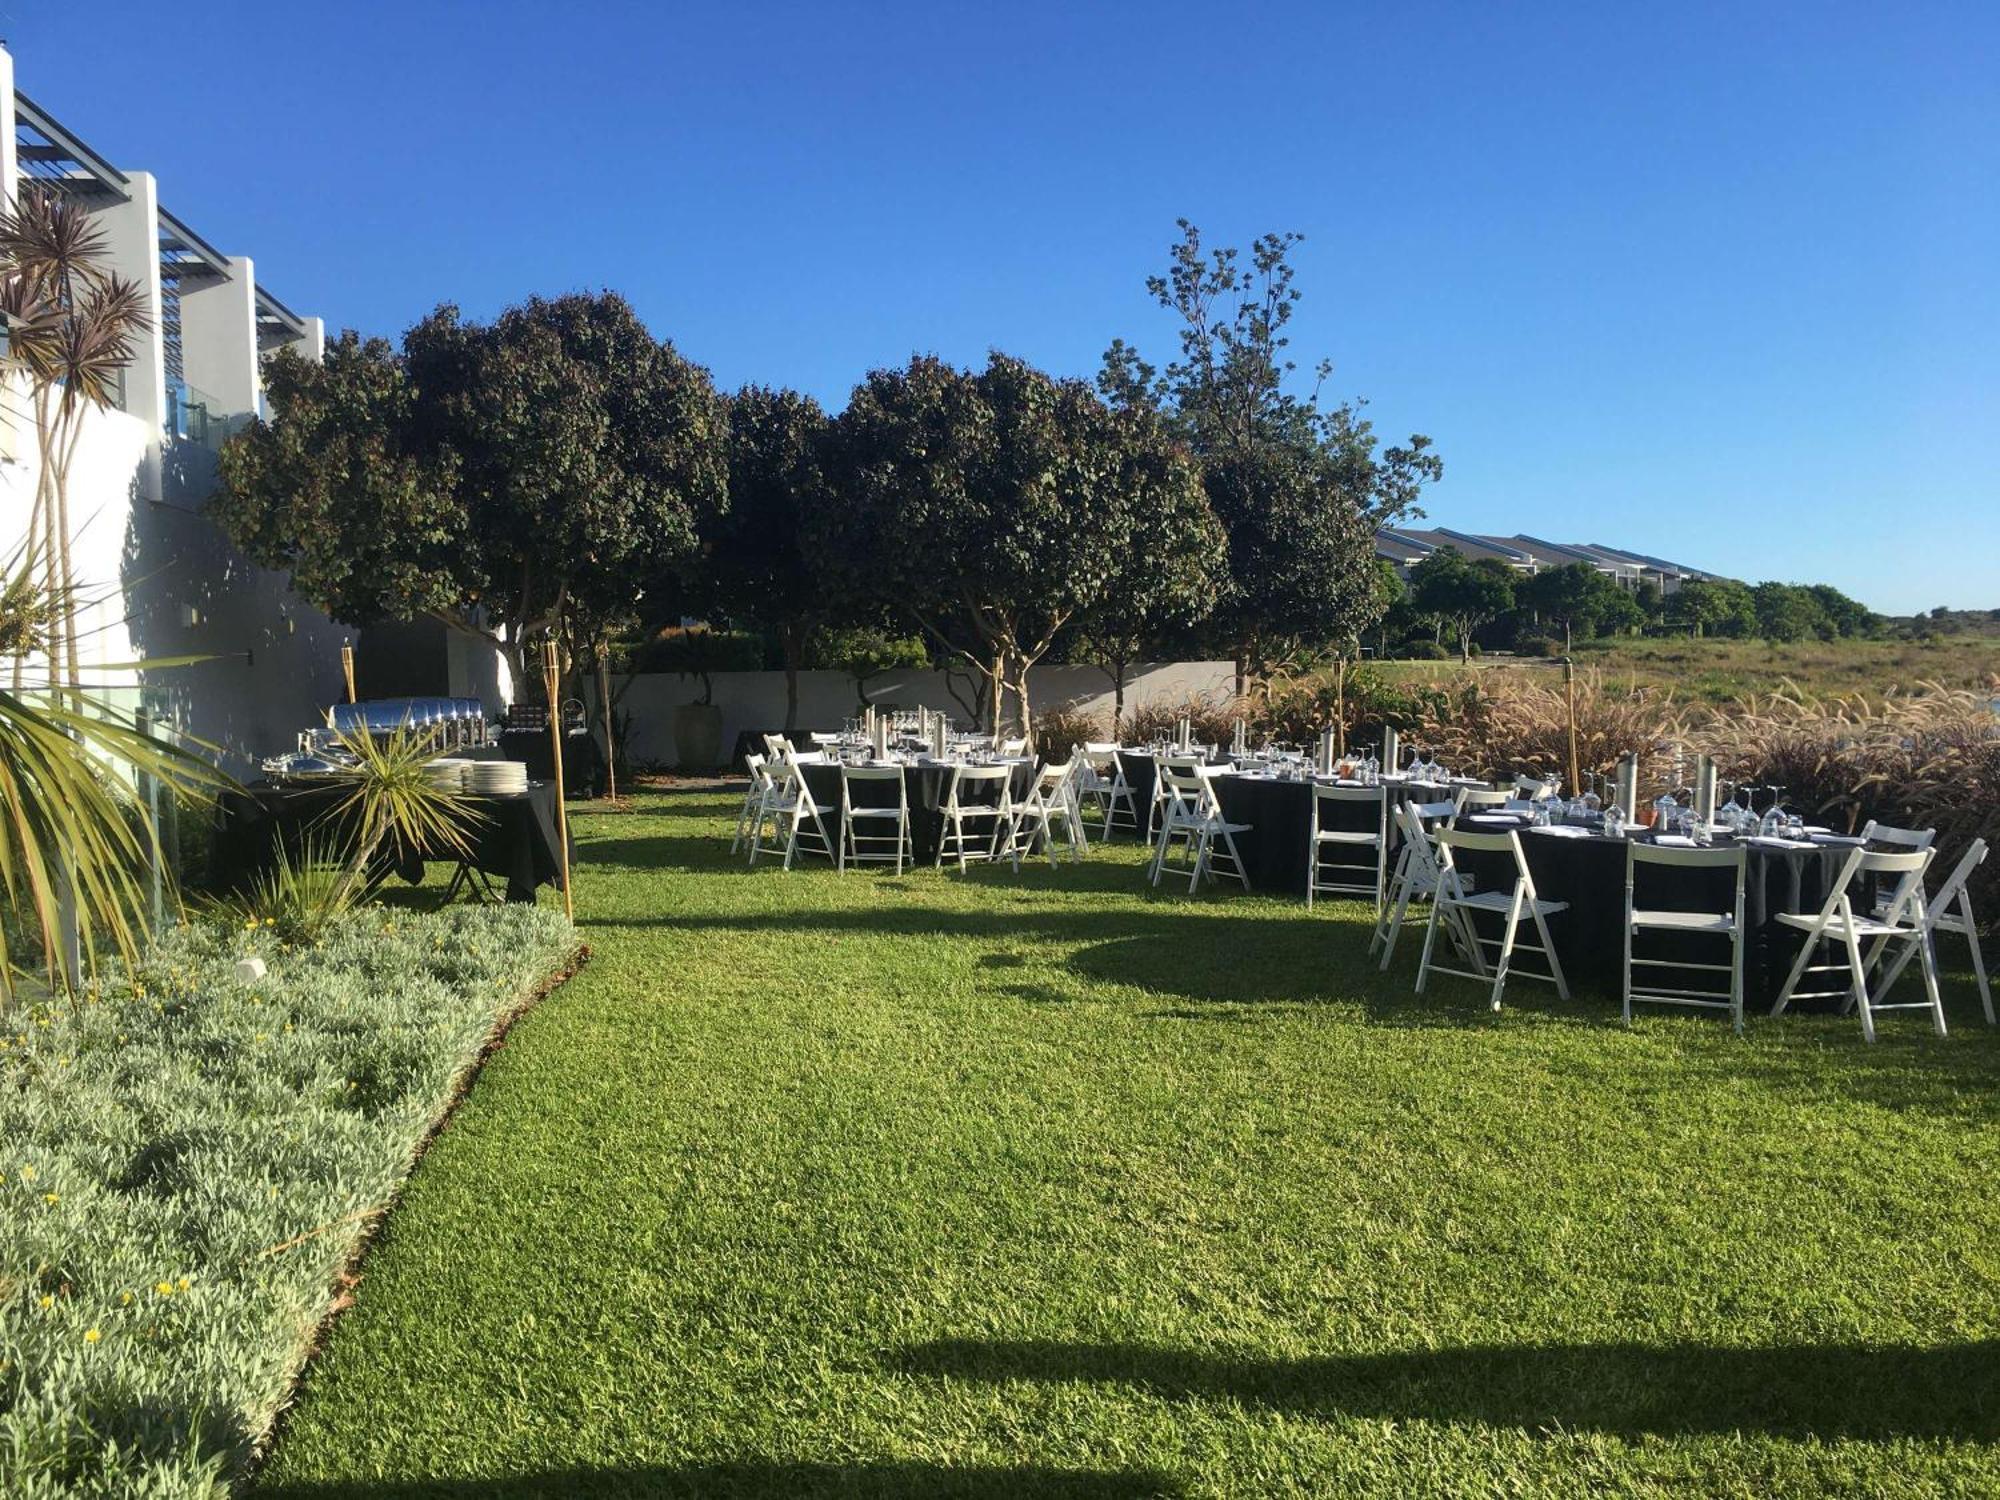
(1279, 813)
(924, 782)
(514, 838)
(1587, 872)
(583, 758)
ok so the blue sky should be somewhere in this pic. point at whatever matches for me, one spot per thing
(1718, 283)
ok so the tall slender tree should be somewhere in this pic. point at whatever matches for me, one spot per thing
(1299, 486)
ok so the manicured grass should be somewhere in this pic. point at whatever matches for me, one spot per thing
(1047, 1185)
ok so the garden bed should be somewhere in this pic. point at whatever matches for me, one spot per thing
(188, 1161)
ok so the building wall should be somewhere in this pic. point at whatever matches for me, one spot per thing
(756, 700)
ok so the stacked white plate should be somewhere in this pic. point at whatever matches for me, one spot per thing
(496, 778)
(445, 774)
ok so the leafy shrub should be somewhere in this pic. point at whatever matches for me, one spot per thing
(1426, 651)
(190, 1159)
(1538, 645)
(1059, 730)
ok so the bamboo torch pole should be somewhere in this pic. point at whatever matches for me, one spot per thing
(347, 667)
(1340, 706)
(604, 696)
(1569, 693)
(551, 679)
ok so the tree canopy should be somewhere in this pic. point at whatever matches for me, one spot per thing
(995, 508)
(1298, 486)
(513, 478)
(1462, 594)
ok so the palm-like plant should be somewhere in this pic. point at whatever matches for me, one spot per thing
(393, 811)
(76, 849)
(72, 325)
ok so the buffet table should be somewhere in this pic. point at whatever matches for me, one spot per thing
(514, 839)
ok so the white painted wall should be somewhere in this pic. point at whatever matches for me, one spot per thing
(756, 700)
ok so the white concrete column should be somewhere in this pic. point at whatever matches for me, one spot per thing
(219, 339)
(313, 345)
(132, 250)
(10, 163)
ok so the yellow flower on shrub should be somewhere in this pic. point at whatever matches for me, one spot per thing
(91, 1335)
(47, 1300)
(52, 1197)
(164, 1288)
(124, 1299)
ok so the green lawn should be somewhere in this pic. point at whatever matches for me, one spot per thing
(988, 1185)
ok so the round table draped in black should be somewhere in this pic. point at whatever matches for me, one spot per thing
(1279, 815)
(925, 783)
(1588, 875)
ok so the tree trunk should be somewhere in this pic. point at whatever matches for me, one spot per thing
(1242, 667)
(996, 687)
(1117, 697)
(792, 639)
(1021, 666)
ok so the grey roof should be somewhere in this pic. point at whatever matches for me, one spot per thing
(1408, 544)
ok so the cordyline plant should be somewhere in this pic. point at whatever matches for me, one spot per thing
(77, 853)
(71, 326)
(393, 813)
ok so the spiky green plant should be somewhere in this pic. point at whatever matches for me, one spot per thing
(393, 811)
(75, 847)
(297, 897)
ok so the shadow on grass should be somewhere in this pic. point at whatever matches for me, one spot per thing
(1825, 1391)
(883, 1481)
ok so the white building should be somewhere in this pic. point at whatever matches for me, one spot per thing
(156, 577)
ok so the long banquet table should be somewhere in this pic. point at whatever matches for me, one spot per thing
(925, 782)
(1586, 870)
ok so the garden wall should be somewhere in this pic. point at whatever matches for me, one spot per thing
(756, 700)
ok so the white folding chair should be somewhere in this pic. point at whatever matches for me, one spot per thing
(753, 801)
(1454, 903)
(1011, 747)
(1101, 780)
(1902, 925)
(1327, 869)
(996, 816)
(1415, 876)
(1194, 814)
(1728, 925)
(1533, 788)
(824, 741)
(1876, 835)
(1950, 910)
(791, 809)
(1472, 799)
(858, 843)
(1049, 808)
(1158, 805)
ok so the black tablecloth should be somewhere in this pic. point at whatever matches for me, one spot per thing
(583, 759)
(515, 838)
(925, 786)
(1280, 817)
(1589, 875)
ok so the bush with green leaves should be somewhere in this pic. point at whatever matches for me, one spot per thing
(188, 1159)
